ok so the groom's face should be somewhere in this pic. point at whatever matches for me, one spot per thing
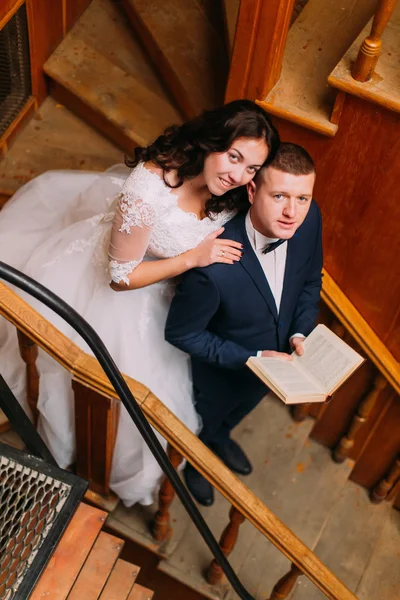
(280, 202)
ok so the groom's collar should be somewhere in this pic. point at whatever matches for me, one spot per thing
(257, 239)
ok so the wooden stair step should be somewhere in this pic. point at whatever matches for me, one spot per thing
(185, 47)
(119, 105)
(54, 139)
(97, 568)
(348, 540)
(105, 28)
(382, 577)
(121, 581)
(140, 593)
(70, 555)
(316, 42)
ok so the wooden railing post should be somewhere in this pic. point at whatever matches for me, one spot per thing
(161, 528)
(285, 584)
(342, 450)
(260, 41)
(385, 486)
(227, 543)
(370, 50)
(29, 354)
(96, 423)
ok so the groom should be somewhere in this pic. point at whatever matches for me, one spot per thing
(262, 305)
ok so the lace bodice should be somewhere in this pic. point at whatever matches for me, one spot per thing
(149, 223)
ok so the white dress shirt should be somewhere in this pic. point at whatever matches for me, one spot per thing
(273, 263)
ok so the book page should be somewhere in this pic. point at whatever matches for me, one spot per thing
(288, 377)
(327, 358)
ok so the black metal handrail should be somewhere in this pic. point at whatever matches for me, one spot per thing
(86, 331)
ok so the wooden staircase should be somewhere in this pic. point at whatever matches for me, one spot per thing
(86, 564)
(87, 75)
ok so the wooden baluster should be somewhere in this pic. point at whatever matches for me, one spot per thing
(342, 450)
(29, 354)
(285, 584)
(370, 50)
(384, 487)
(227, 543)
(161, 528)
(300, 411)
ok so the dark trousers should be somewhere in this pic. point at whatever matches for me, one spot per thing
(221, 415)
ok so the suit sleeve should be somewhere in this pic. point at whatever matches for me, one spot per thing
(195, 303)
(307, 308)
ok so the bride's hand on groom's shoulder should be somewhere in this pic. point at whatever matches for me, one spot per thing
(214, 250)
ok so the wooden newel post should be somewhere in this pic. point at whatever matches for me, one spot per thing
(227, 543)
(161, 528)
(370, 50)
(342, 450)
(96, 424)
(29, 354)
(384, 487)
(285, 584)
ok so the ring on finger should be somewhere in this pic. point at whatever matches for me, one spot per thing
(222, 252)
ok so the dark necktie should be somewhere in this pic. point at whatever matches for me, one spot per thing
(271, 247)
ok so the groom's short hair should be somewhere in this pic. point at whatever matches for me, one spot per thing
(291, 158)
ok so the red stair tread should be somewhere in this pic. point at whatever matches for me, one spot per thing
(120, 582)
(140, 593)
(70, 554)
(97, 568)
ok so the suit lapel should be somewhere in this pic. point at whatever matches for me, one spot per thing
(290, 271)
(251, 264)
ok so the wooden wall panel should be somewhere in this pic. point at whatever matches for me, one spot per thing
(381, 450)
(358, 191)
(45, 21)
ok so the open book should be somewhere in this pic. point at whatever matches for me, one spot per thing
(326, 363)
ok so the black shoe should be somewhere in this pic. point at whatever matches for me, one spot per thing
(233, 456)
(198, 486)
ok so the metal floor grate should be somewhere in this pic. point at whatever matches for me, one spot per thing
(15, 68)
(37, 501)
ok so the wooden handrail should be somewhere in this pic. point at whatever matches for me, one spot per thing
(360, 331)
(87, 370)
(370, 50)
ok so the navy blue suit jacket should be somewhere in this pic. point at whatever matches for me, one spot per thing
(223, 314)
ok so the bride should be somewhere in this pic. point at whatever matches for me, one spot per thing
(90, 236)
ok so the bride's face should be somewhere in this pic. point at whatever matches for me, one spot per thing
(224, 171)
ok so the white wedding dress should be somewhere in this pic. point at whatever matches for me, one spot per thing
(57, 229)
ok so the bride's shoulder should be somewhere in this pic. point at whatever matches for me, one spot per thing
(144, 182)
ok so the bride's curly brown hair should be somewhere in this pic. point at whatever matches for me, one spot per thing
(184, 147)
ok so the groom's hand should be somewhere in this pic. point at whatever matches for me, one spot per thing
(297, 345)
(274, 354)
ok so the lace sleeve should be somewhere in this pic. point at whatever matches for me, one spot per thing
(130, 235)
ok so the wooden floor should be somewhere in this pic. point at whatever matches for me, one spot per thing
(296, 478)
